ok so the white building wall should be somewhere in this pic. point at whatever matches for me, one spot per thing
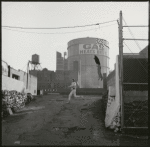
(32, 80)
(12, 84)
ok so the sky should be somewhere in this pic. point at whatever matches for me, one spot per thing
(18, 45)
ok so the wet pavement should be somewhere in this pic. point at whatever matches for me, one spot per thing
(49, 120)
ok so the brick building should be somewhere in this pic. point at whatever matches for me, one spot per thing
(50, 81)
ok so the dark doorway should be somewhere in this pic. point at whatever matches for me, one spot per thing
(38, 92)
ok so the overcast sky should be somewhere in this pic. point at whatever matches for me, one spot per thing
(18, 45)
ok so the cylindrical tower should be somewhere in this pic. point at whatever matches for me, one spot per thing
(82, 50)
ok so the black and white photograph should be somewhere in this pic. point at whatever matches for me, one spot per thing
(74, 73)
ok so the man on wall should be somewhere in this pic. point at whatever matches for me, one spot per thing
(98, 67)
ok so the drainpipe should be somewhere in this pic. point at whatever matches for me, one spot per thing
(8, 70)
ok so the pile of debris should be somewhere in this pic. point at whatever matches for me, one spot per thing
(13, 101)
(113, 115)
(116, 123)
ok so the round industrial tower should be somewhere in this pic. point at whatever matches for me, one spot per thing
(81, 53)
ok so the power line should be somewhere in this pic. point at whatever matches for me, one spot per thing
(59, 32)
(108, 25)
(59, 27)
(51, 33)
(49, 28)
(136, 58)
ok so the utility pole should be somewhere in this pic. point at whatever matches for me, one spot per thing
(121, 68)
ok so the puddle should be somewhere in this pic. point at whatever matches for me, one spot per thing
(96, 135)
(73, 129)
(22, 113)
(56, 100)
(27, 110)
(82, 109)
(30, 109)
(37, 108)
(14, 118)
(67, 131)
(64, 129)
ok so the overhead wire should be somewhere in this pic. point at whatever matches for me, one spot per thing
(106, 26)
(58, 27)
(13, 27)
(60, 32)
(51, 33)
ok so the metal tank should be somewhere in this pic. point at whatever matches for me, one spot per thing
(35, 59)
(82, 51)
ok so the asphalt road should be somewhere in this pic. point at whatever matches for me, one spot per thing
(49, 120)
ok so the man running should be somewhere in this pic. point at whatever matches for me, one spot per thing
(73, 90)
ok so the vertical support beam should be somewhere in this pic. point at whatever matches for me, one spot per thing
(27, 74)
(27, 77)
(80, 82)
(121, 69)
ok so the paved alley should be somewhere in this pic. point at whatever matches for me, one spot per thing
(49, 120)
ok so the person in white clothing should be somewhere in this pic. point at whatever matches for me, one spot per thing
(73, 90)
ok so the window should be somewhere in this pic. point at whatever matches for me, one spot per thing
(15, 77)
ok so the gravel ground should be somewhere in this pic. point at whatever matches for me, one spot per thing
(49, 120)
